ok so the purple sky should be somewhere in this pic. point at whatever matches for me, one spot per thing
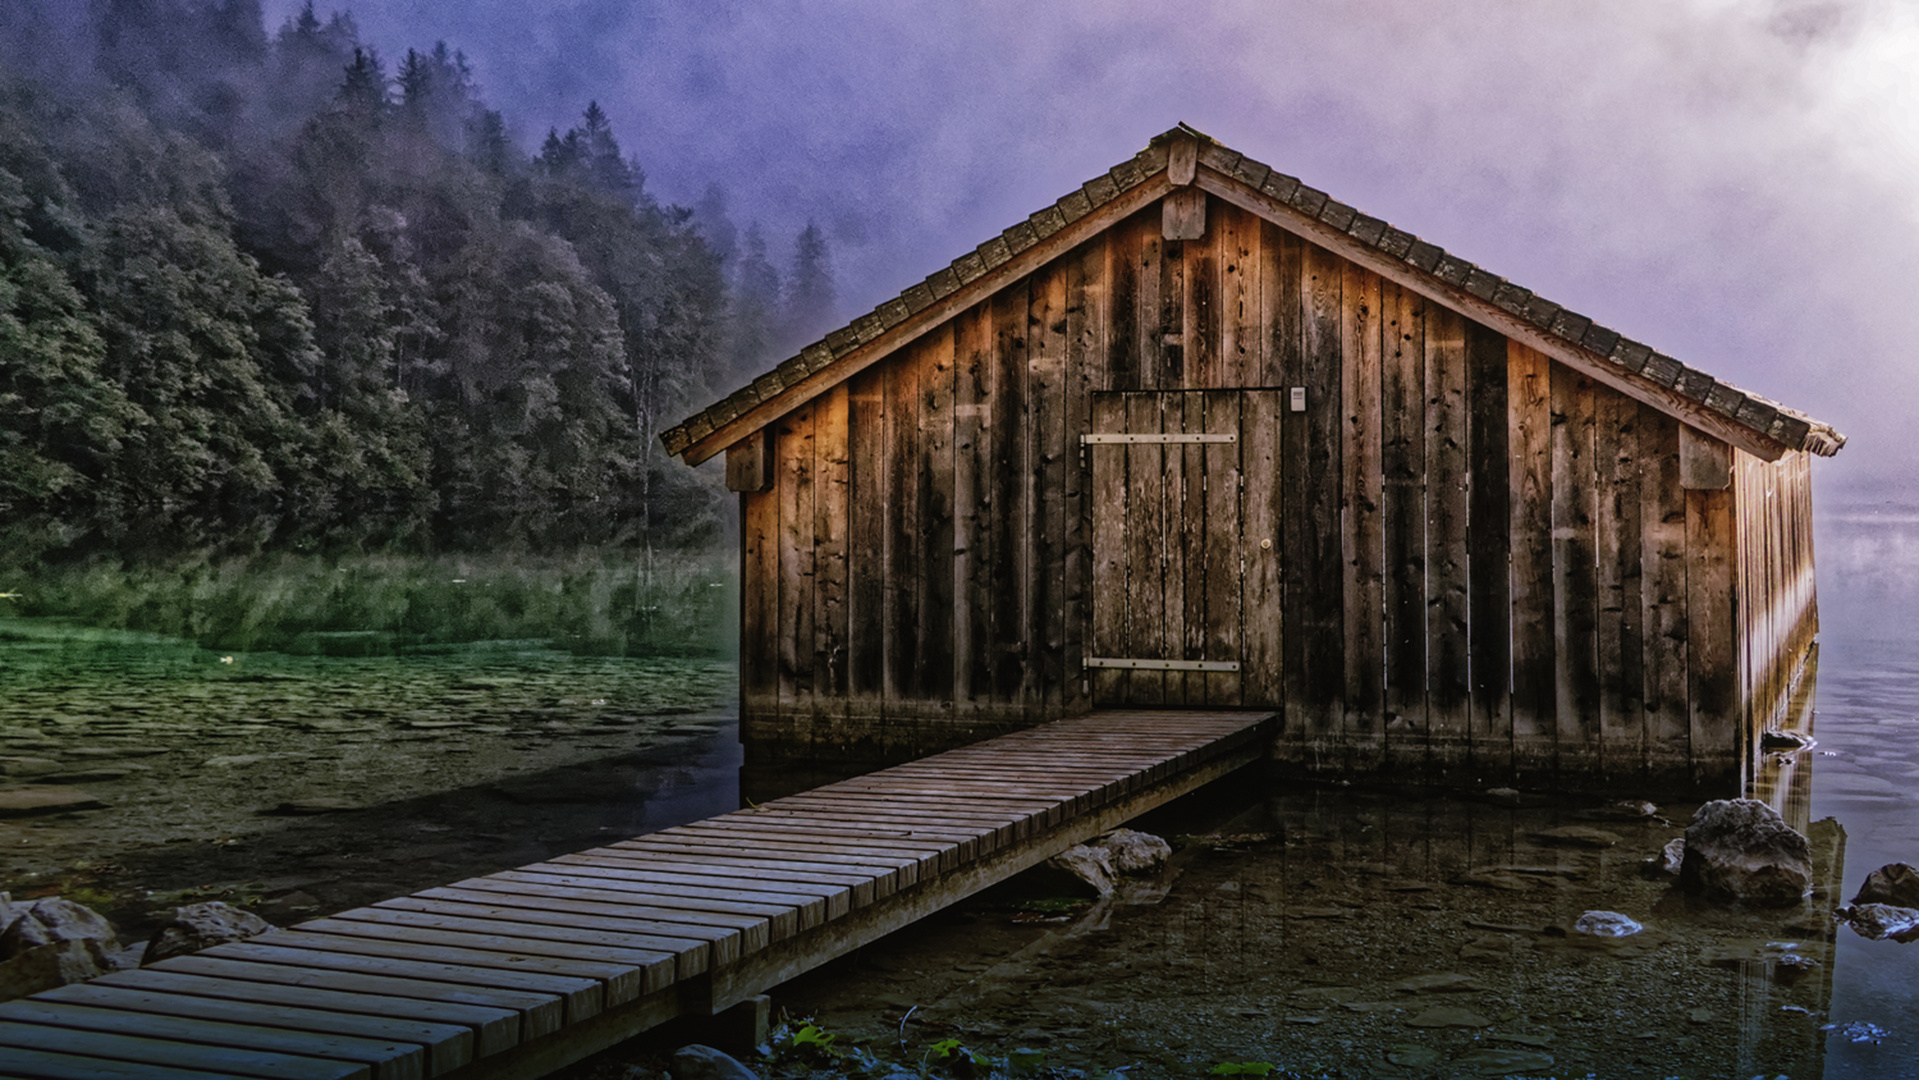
(1733, 181)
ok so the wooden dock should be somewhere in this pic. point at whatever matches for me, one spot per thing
(518, 973)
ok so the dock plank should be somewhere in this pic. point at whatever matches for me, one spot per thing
(351, 1055)
(219, 1060)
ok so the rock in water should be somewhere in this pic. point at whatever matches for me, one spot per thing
(1669, 860)
(1882, 921)
(1092, 866)
(696, 1062)
(200, 926)
(1134, 852)
(1894, 883)
(1742, 850)
(1606, 924)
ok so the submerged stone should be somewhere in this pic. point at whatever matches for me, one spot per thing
(1894, 883)
(1882, 922)
(1413, 1057)
(45, 799)
(1444, 982)
(1669, 861)
(1492, 1061)
(1448, 1016)
(1134, 852)
(1582, 836)
(201, 926)
(1741, 850)
(1606, 924)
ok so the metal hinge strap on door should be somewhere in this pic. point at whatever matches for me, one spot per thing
(1156, 437)
(1162, 665)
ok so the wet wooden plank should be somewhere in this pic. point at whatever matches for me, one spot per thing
(1009, 521)
(1489, 542)
(868, 490)
(164, 1054)
(797, 553)
(1362, 329)
(47, 1065)
(444, 1046)
(1663, 568)
(934, 659)
(1315, 596)
(1534, 695)
(1448, 690)
(1711, 665)
(1403, 525)
(749, 932)
(1622, 722)
(650, 969)
(902, 555)
(1575, 641)
(831, 630)
(1146, 546)
(1262, 674)
(201, 1043)
(582, 998)
(695, 948)
(489, 1029)
(619, 982)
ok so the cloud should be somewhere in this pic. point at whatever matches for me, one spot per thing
(1735, 182)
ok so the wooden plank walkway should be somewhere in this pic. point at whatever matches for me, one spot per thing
(518, 973)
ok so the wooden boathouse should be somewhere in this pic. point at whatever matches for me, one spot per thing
(1200, 436)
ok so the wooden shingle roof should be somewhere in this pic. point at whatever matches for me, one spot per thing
(1182, 157)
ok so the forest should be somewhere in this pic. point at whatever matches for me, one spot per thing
(261, 289)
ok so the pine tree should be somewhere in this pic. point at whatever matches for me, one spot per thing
(807, 309)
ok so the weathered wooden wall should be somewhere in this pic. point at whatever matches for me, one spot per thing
(1778, 609)
(1487, 564)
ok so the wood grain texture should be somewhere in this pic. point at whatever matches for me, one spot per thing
(1664, 599)
(1403, 527)
(1575, 600)
(1534, 692)
(1363, 544)
(1448, 495)
(1489, 540)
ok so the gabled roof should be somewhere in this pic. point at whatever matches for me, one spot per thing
(1185, 157)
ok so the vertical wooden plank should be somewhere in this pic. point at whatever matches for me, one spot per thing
(1202, 316)
(1150, 332)
(1122, 265)
(1189, 411)
(1621, 648)
(975, 560)
(1049, 479)
(1663, 568)
(1448, 493)
(1403, 527)
(867, 496)
(1110, 550)
(1711, 670)
(1489, 541)
(1313, 584)
(1223, 546)
(1086, 369)
(1262, 681)
(1575, 603)
(1011, 572)
(760, 601)
(1281, 257)
(1363, 541)
(1239, 255)
(797, 554)
(1534, 698)
(830, 521)
(1171, 368)
(903, 556)
(1145, 550)
(935, 661)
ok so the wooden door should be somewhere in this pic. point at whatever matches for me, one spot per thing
(1185, 559)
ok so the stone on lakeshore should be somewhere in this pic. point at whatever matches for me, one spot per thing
(27, 766)
(1134, 852)
(201, 926)
(67, 921)
(1090, 867)
(1494, 1061)
(1742, 850)
(47, 966)
(112, 753)
(45, 799)
(1894, 883)
(1883, 921)
(1625, 810)
(97, 775)
(1669, 860)
(317, 804)
(1606, 924)
(697, 1062)
(1445, 982)
(1448, 1016)
(1581, 836)
(1413, 1057)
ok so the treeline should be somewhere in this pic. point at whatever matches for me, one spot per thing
(258, 285)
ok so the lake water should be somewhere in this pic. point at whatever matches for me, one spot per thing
(1306, 927)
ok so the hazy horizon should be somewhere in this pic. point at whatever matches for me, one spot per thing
(1736, 184)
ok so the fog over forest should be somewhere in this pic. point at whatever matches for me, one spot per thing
(1736, 183)
(439, 272)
